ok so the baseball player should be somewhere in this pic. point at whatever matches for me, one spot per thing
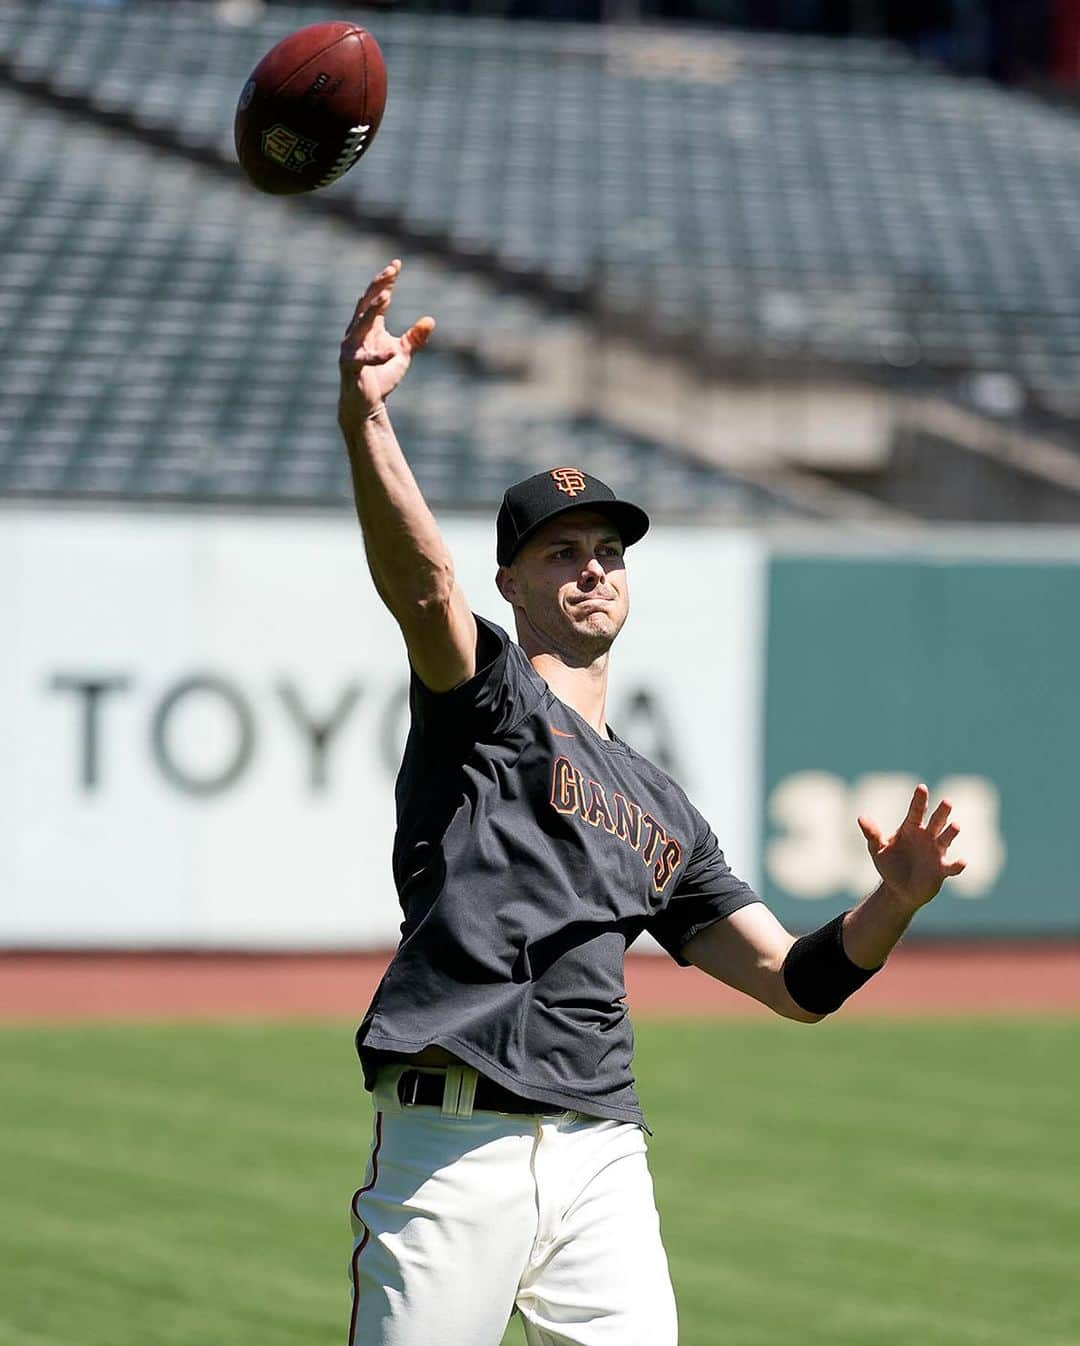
(508, 1166)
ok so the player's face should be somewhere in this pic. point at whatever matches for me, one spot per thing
(569, 585)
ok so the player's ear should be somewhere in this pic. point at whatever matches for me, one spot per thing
(504, 582)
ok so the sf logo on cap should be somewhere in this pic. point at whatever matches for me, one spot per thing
(569, 480)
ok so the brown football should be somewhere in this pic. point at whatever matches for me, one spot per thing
(311, 108)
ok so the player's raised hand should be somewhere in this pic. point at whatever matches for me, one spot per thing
(912, 862)
(372, 362)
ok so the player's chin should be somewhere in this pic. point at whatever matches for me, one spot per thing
(601, 624)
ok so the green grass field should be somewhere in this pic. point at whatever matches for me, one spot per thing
(857, 1184)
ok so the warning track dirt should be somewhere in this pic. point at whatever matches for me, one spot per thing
(921, 979)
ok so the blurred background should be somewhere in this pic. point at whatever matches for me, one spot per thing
(802, 277)
(808, 288)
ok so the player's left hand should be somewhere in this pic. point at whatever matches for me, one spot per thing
(912, 862)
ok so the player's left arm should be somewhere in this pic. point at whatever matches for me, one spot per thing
(807, 978)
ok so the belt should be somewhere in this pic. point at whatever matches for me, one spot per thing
(427, 1088)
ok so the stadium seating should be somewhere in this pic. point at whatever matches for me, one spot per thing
(793, 199)
(167, 333)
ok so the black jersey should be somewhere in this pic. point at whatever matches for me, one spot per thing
(530, 854)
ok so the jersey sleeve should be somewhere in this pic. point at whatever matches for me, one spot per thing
(707, 892)
(485, 707)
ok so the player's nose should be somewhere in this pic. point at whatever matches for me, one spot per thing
(594, 570)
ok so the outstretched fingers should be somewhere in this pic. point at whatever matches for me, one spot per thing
(917, 808)
(382, 284)
(939, 818)
(870, 830)
(367, 342)
(367, 319)
(383, 281)
(944, 841)
(946, 838)
(417, 335)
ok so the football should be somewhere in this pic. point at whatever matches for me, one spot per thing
(311, 108)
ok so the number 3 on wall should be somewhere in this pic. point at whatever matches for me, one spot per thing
(820, 851)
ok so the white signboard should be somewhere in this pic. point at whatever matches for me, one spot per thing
(201, 719)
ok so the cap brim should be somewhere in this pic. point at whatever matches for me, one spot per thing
(631, 521)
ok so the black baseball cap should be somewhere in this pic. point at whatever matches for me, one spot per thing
(536, 499)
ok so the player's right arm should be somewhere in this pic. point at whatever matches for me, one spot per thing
(409, 561)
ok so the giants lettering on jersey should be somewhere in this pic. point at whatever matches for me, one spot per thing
(572, 793)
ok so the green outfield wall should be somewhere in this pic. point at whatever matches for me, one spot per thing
(960, 671)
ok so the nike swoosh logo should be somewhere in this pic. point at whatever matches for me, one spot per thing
(561, 732)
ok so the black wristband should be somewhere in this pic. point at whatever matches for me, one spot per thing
(818, 974)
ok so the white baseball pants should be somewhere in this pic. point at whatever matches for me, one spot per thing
(463, 1218)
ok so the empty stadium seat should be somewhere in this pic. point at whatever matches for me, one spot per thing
(167, 334)
(628, 167)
